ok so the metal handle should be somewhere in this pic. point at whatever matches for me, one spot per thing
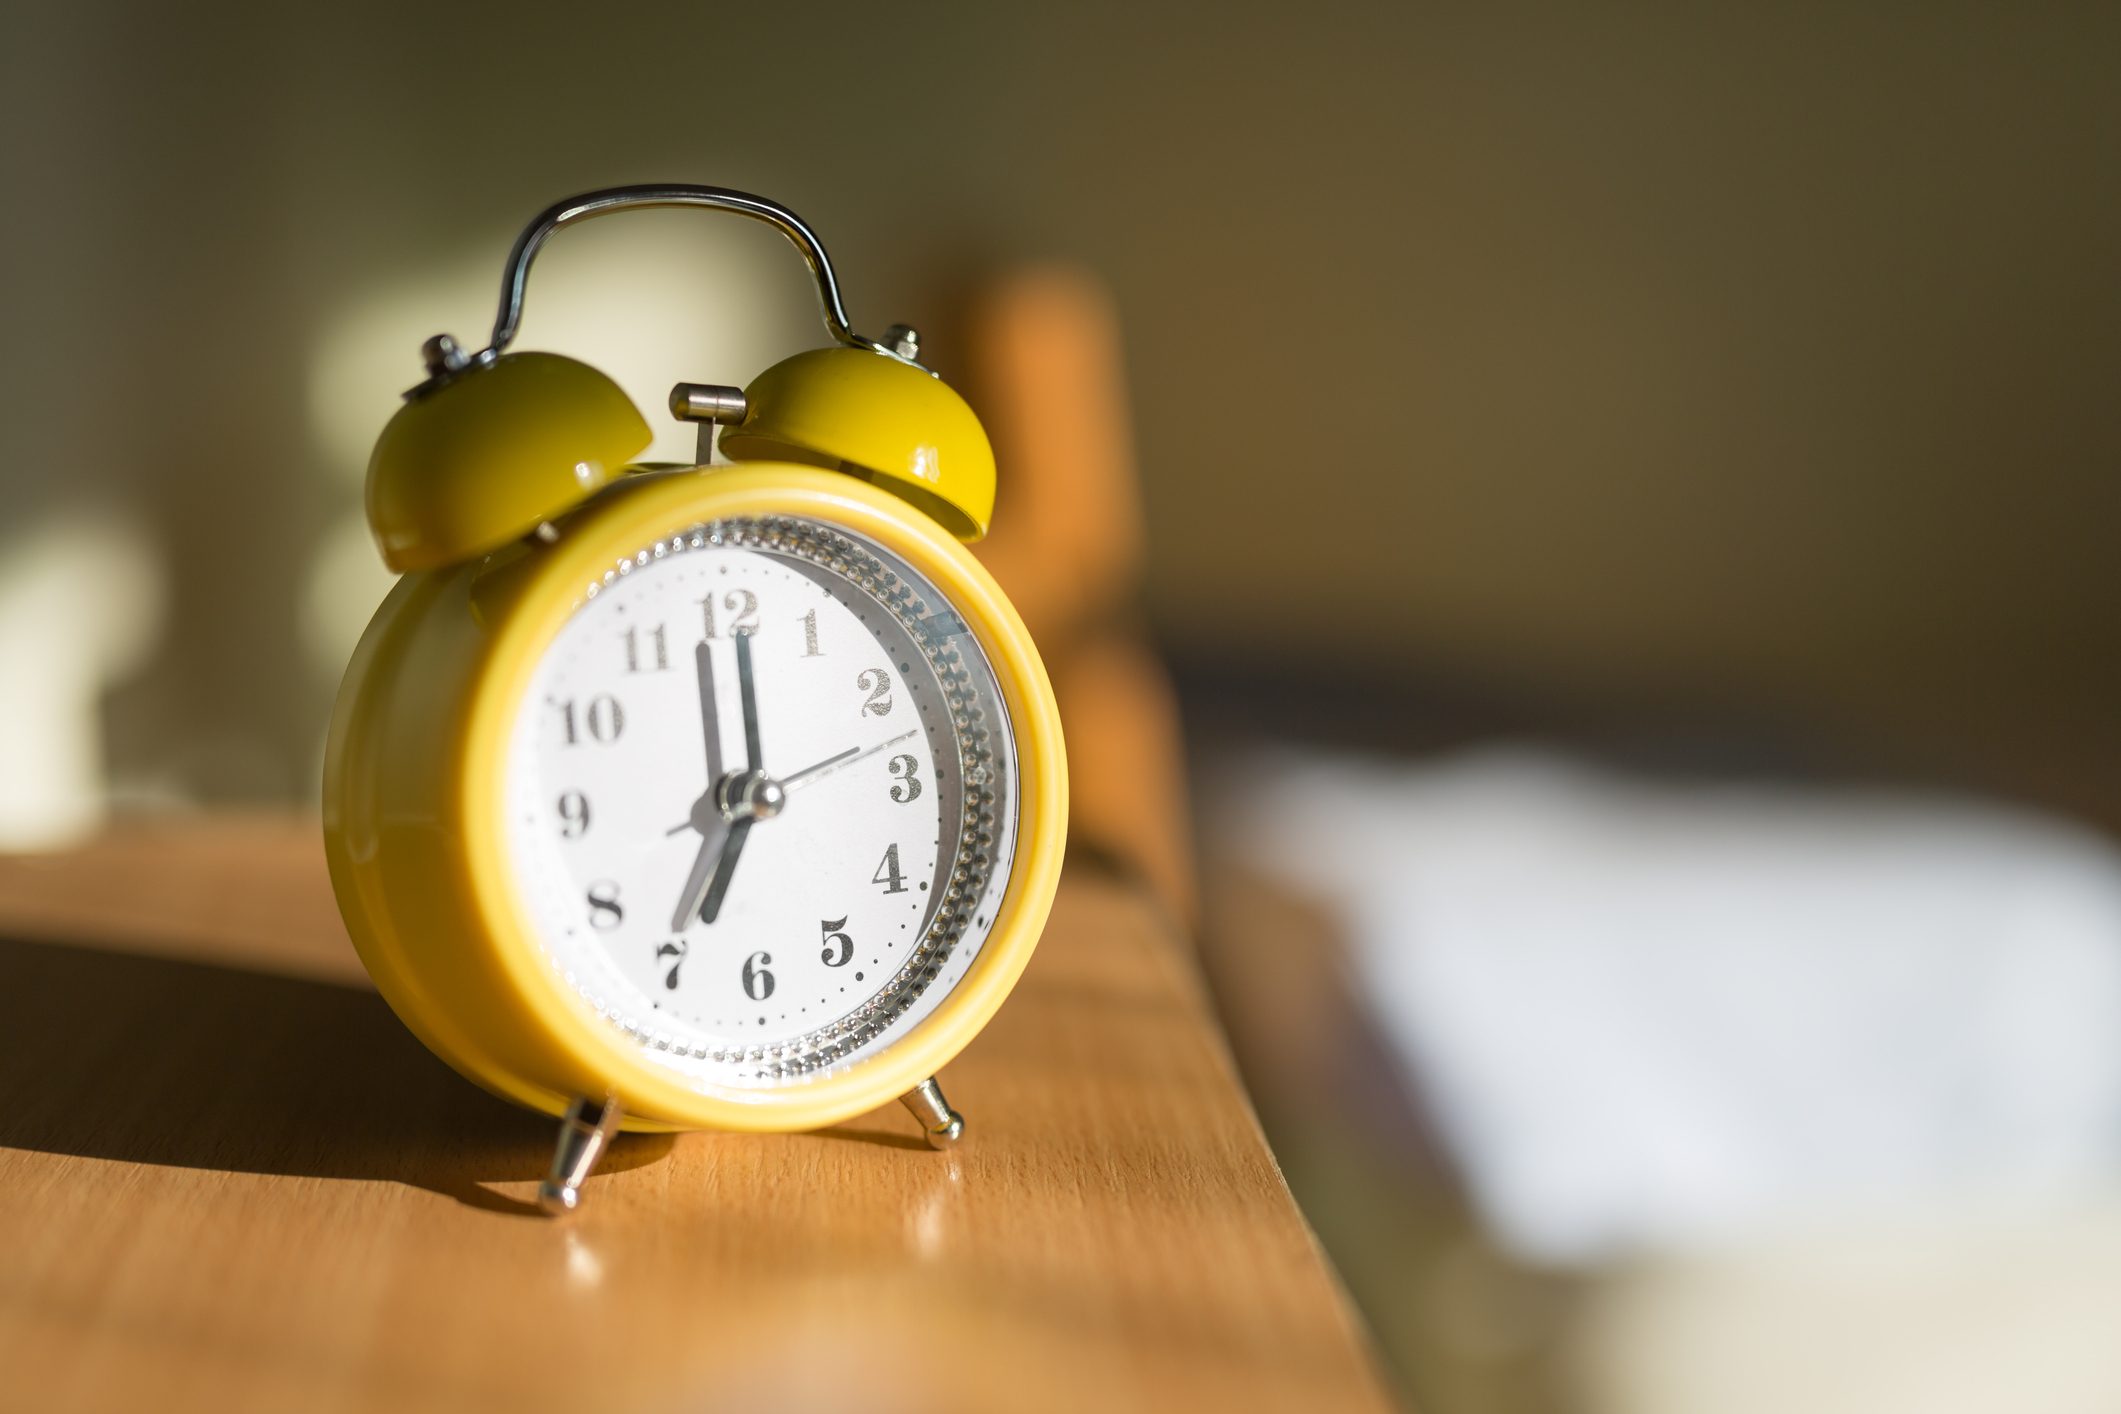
(610, 199)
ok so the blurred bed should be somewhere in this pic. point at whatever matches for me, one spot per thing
(1623, 1092)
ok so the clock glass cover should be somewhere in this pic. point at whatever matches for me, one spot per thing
(762, 799)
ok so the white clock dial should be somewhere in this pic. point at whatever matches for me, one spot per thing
(762, 799)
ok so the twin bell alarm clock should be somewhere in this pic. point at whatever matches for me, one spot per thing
(726, 796)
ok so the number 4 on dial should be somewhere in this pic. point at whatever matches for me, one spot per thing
(887, 873)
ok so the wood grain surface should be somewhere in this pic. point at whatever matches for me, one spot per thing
(232, 1180)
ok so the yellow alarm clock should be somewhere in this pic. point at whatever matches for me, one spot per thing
(726, 796)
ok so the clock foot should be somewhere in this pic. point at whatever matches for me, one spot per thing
(585, 1130)
(944, 1125)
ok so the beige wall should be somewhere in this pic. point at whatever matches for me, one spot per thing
(1768, 356)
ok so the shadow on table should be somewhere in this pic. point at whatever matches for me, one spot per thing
(114, 1056)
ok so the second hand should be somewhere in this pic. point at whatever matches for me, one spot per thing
(818, 769)
(845, 758)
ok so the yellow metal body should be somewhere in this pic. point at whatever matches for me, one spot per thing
(479, 461)
(872, 416)
(413, 803)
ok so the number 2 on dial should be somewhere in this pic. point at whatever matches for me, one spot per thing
(877, 683)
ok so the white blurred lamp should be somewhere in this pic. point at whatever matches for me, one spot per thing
(80, 601)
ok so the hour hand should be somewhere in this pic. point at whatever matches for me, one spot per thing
(724, 870)
(705, 865)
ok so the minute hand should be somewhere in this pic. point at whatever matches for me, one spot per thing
(747, 689)
(819, 769)
(710, 726)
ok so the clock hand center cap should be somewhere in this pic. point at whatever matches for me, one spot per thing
(750, 795)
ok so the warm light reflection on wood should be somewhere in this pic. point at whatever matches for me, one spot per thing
(235, 1175)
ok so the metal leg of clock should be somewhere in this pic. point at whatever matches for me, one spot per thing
(585, 1131)
(944, 1125)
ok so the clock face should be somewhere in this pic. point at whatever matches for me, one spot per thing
(762, 800)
